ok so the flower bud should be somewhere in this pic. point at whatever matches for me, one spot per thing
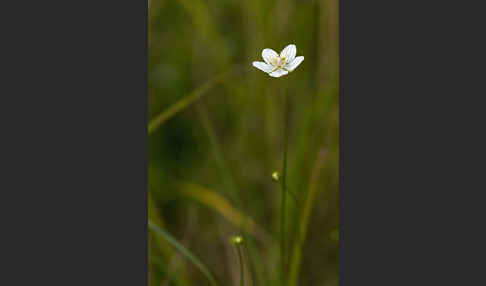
(236, 239)
(275, 176)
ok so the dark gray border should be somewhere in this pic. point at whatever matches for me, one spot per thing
(411, 197)
(74, 154)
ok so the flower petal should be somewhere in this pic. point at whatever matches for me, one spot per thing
(270, 56)
(289, 53)
(263, 66)
(291, 66)
(278, 73)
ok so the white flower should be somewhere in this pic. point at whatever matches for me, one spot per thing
(278, 65)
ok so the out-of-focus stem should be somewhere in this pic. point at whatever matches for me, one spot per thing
(305, 217)
(250, 265)
(284, 186)
(240, 259)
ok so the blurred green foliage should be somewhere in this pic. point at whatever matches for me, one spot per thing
(211, 160)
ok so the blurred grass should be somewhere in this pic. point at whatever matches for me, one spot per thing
(222, 206)
(185, 252)
(180, 105)
(222, 131)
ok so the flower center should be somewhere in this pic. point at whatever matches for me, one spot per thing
(278, 62)
(275, 61)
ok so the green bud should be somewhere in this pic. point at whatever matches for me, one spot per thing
(236, 239)
(275, 176)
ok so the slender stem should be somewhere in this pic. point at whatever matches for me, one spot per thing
(250, 264)
(240, 258)
(305, 217)
(284, 186)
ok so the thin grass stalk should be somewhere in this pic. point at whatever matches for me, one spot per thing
(242, 270)
(161, 244)
(184, 251)
(227, 177)
(226, 174)
(221, 205)
(284, 185)
(250, 265)
(304, 218)
(158, 120)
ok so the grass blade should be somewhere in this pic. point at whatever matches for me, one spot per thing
(304, 219)
(153, 216)
(194, 96)
(159, 243)
(222, 206)
(184, 251)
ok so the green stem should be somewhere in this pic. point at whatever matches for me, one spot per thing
(305, 217)
(250, 265)
(240, 258)
(284, 186)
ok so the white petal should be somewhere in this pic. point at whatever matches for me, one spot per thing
(263, 66)
(290, 67)
(278, 73)
(289, 53)
(270, 56)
